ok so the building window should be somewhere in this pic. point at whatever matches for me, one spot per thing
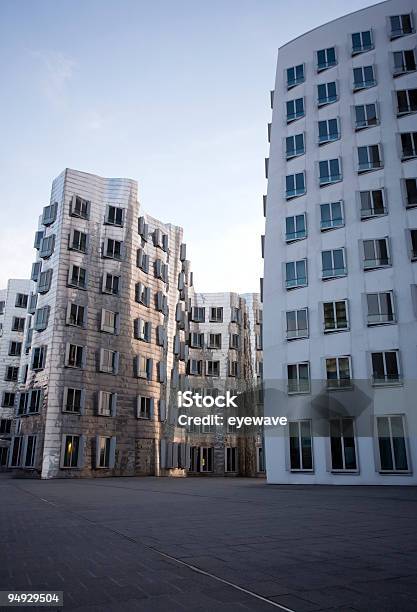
(144, 407)
(231, 464)
(21, 300)
(49, 214)
(105, 452)
(77, 277)
(376, 253)
(295, 185)
(109, 361)
(74, 356)
(198, 314)
(404, 61)
(110, 321)
(71, 451)
(38, 239)
(328, 130)
(338, 372)
(144, 367)
(112, 249)
(233, 368)
(34, 401)
(335, 316)
(143, 228)
(107, 402)
(326, 58)
(142, 294)
(12, 373)
(8, 399)
(76, 315)
(195, 367)
(79, 207)
(234, 341)
(216, 315)
(15, 349)
(342, 445)
(326, 93)
(295, 76)
(78, 241)
(196, 340)
(212, 368)
(260, 459)
(214, 341)
(41, 319)
(408, 145)
(331, 216)
(73, 400)
(44, 282)
(401, 25)
(369, 158)
(295, 228)
(114, 216)
(413, 243)
(16, 451)
(385, 367)
(301, 446)
(297, 324)
(410, 192)
(362, 42)
(111, 284)
(2, 305)
(294, 145)
(36, 269)
(296, 274)
(201, 459)
(18, 324)
(372, 204)
(142, 260)
(366, 115)
(47, 246)
(329, 172)
(298, 377)
(143, 330)
(333, 263)
(380, 308)
(295, 109)
(33, 300)
(392, 444)
(5, 426)
(406, 102)
(39, 357)
(363, 78)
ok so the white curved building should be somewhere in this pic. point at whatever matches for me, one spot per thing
(340, 248)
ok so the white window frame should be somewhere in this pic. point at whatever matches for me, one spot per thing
(338, 383)
(361, 85)
(298, 333)
(294, 152)
(369, 213)
(328, 99)
(369, 166)
(109, 361)
(378, 318)
(330, 137)
(335, 319)
(343, 469)
(333, 219)
(386, 382)
(294, 116)
(297, 234)
(389, 418)
(369, 121)
(336, 272)
(363, 47)
(330, 179)
(376, 262)
(300, 447)
(295, 386)
(298, 284)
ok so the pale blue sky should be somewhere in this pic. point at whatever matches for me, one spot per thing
(172, 93)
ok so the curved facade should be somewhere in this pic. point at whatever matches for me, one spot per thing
(340, 248)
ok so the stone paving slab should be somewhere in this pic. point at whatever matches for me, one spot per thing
(132, 543)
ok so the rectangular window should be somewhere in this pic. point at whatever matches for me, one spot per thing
(214, 341)
(406, 102)
(12, 373)
(2, 305)
(331, 216)
(36, 269)
(410, 190)
(298, 377)
(107, 403)
(5, 426)
(380, 308)
(295, 109)
(295, 75)
(77, 241)
(376, 253)
(297, 324)
(109, 321)
(362, 42)
(294, 145)
(8, 399)
(144, 407)
(342, 445)
(338, 372)
(77, 277)
(76, 315)
(143, 330)
(392, 444)
(366, 115)
(49, 214)
(413, 243)
(404, 61)
(295, 228)
(296, 274)
(260, 459)
(216, 315)
(198, 314)
(45, 280)
(112, 249)
(104, 452)
(71, 451)
(15, 348)
(295, 185)
(326, 93)
(206, 459)
(79, 207)
(114, 216)
(231, 464)
(301, 446)
(73, 400)
(16, 452)
(41, 319)
(144, 367)
(38, 239)
(333, 263)
(385, 367)
(111, 284)
(213, 368)
(372, 204)
(47, 246)
(21, 300)
(142, 260)
(33, 300)
(329, 171)
(234, 341)
(109, 361)
(195, 367)
(408, 145)
(196, 340)
(401, 25)
(18, 324)
(233, 368)
(38, 357)
(335, 316)
(328, 131)
(143, 228)
(363, 77)
(369, 158)
(142, 294)
(326, 58)
(74, 356)
(34, 402)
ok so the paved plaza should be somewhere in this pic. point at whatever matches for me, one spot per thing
(210, 544)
